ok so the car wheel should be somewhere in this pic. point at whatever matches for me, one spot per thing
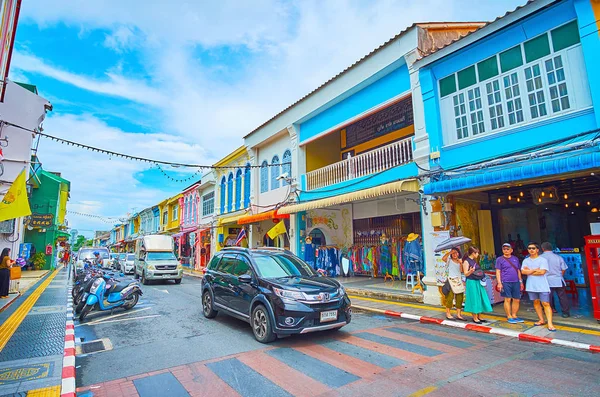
(261, 325)
(178, 281)
(144, 281)
(207, 306)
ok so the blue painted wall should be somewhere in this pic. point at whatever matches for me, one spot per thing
(522, 137)
(385, 88)
(590, 41)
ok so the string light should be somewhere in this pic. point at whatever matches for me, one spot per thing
(566, 196)
(543, 194)
(518, 199)
(105, 219)
(499, 200)
(521, 194)
(193, 176)
(509, 197)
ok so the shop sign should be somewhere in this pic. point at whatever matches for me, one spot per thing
(326, 220)
(393, 118)
(41, 220)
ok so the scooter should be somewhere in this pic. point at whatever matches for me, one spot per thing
(124, 294)
(81, 299)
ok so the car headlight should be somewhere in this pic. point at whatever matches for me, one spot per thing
(290, 295)
(342, 290)
(151, 267)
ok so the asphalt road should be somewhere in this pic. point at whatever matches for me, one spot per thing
(164, 346)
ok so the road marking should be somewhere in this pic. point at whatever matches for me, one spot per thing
(439, 309)
(163, 290)
(24, 373)
(52, 391)
(462, 375)
(117, 315)
(122, 319)
(12, 323)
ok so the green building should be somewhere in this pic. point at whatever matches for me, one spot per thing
(48, 201)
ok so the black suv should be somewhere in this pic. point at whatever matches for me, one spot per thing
(274, 291)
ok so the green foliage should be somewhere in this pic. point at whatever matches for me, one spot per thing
(39, 260)
(79, 243)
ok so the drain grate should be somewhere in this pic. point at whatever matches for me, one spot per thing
(95, 346)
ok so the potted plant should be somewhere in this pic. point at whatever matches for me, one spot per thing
(39, 261)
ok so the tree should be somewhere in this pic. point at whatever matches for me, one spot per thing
(79, 243)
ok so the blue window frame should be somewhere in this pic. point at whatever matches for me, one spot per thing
(230, 192)
(275, 168)
(238, 189)
(264, 177)
(286, 168)
(223, 182)
(247, 182)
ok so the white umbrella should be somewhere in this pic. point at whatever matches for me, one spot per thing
(451, 243)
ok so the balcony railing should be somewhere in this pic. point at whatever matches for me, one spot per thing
(364, 164)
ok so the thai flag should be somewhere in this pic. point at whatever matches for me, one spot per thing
(240, 237)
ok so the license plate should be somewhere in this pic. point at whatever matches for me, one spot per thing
(329, 316)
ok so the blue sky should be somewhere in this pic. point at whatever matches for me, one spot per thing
(161, 79)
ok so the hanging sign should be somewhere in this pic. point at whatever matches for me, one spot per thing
(41, 220)
(49, 249)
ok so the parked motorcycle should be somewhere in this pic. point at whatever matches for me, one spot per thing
(107, 293)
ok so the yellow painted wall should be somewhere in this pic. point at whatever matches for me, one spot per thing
(173, 202)
(466, 218)
(62, 207)
(596, 9)
(136, 224)
(323, 151)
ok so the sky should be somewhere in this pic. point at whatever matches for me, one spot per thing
(185, 80)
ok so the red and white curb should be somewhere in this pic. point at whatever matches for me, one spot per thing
(68, 371)
(484, 329)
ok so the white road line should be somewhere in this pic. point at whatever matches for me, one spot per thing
(118, 315)
(122, 319)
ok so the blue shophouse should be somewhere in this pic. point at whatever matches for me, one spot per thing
(511, 112)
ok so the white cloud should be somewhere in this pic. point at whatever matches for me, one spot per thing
(291, 48)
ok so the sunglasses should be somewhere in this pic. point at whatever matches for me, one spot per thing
(506, 248)
(531, 248)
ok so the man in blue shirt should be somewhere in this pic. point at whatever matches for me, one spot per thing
(556, 270)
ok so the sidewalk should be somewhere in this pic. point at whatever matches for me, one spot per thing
(192, 273)
(32, 338)
(567, 335)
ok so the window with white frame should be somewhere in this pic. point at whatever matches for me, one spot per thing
(208, 204)
(534, 80)
(175, 212)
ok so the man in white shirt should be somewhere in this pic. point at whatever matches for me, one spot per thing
(536, 267)
(556, 270)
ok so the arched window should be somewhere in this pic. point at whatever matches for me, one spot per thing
(223, 183)
(247, 186)
(230, 192)
(286, 168)
(275, 172)
(264, 177)
(238, 189)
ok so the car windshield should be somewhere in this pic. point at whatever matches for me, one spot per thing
(160, 256)
(89, 254)
(130, 257)
(274, 266)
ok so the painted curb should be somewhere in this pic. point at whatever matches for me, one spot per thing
(68, 371)
(484, 329)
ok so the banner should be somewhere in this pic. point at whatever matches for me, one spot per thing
(276, 230)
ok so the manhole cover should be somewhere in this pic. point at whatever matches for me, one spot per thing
(95, 346)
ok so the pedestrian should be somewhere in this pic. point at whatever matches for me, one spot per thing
(537, 287)
(477, 298)
(457, 288)
(5, 265)
(556, 281)
(510, 282)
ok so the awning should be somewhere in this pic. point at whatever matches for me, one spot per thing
(263, 216)
(406, 185)
(488, 177)
(230, 219)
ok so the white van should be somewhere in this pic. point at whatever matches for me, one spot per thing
(155, 260)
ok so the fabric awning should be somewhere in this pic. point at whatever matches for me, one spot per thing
(263, 216)
(230, 219)
(406, 185)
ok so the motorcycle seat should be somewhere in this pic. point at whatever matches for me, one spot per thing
(119, 287)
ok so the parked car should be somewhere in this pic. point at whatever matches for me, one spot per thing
(88, 253)
(121, 259)
(127, 265)
(273, 290)
(155, 260)
(114, 260)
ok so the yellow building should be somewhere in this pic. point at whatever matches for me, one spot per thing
(231, 199)
(164, 216)
(136, 224)
(173, 214)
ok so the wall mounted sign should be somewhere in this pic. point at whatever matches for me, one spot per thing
(41, 220)
(390, 119)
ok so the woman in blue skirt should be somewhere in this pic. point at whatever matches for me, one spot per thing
(477, 300)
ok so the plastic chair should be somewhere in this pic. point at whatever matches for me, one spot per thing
(571, 288)
(411, 280)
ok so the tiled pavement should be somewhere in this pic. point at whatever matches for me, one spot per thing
(31, 358)
(396, 360)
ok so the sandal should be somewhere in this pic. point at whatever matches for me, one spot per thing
(477, 322)
(551, 329)
(539, 323)
(450, 318)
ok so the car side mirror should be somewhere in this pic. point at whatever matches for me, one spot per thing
(245, 278)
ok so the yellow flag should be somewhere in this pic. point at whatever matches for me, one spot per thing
(15, 203)
(276, 230)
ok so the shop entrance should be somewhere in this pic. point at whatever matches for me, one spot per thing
(561, 212)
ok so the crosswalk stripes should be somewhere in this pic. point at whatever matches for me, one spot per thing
(307, 368)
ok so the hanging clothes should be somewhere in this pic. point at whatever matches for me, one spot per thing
(385, 259)
(413, 256)
(309, 254)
